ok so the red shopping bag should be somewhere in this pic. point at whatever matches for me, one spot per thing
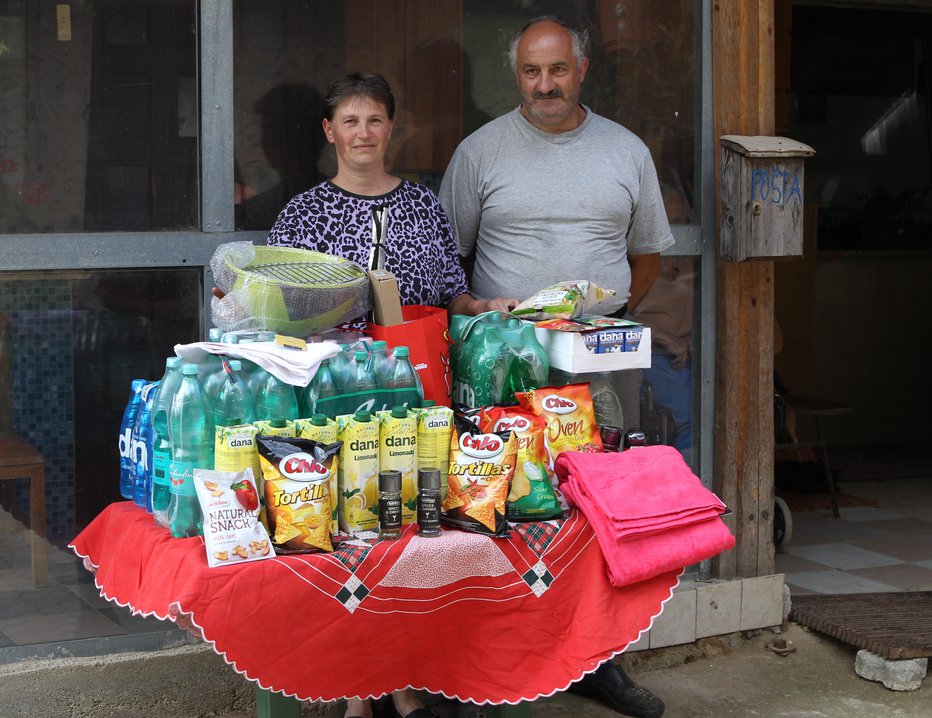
(424, 332)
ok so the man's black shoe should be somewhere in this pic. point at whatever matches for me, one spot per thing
(610, 685)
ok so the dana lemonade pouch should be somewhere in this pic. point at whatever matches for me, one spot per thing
(359, 472)
(235, 450)
(324, 430)
(276, 427)
(434, 428)
(398, 452)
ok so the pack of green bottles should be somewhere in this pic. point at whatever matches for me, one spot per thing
(493, 356)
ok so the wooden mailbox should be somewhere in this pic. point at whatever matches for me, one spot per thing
(762, 197)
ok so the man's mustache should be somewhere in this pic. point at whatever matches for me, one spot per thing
(553, 94)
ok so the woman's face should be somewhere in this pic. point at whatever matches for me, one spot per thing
(360, 131)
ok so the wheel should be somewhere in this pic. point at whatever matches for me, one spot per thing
(782, 524)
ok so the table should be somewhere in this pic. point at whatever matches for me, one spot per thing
(498, 621)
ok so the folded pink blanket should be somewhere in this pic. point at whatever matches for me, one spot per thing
(649, 512)
(642, 490)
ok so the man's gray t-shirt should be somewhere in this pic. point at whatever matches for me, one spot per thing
(540, 208)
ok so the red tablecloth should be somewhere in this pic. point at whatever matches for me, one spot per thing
(464, 615)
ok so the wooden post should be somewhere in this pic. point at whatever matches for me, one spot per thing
(743, 77)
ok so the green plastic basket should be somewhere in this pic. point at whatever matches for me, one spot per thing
(296, 291)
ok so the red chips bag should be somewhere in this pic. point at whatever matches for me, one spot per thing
(532, 496)
(481, 467)
(571, 424)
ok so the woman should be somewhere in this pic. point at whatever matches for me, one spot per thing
(336, 217)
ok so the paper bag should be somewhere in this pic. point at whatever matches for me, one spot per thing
(424, 332)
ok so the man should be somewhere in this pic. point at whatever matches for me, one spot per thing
(551, 192)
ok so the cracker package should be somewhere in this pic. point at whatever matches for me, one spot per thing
(532, 496)
(233, 532)
(570, 418)
(297, 492)
(481, 467)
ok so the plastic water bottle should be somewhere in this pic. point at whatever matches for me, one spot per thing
(380, 361)
(161, 446)
(210, 371)
(323, 385)
(361, 379)
(275, 400)
(142, 448)
(191, 429)
(529, 366)
(233, 404)
(605, 402)
(403, 376)
(341, 366)
(127, 467)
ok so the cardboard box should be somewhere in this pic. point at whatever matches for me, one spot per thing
(386, 305)
(568, 351)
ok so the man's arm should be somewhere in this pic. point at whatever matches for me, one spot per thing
(644, 270)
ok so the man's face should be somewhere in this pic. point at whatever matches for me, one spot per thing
(549, 77)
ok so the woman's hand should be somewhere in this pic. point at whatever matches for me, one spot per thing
(502, 304)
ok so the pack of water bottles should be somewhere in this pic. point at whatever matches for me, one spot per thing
(494, 356)
(365, 376)
(170, 427)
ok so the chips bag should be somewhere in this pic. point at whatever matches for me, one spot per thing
(564, 299)
(297, 492)
(481, 467)
(570, 418)
(532, 496)
(233, 532)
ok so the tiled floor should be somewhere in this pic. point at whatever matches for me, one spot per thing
(69, 608)
(868, 549)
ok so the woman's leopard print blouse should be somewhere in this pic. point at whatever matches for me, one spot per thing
(419, 247)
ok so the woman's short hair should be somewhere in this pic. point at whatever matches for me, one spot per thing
(359, 84)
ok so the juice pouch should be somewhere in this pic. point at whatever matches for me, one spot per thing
(481, 467)
(571, 424)
(434, 429)
(359, 472)
(235, 449)
(323, 430)
(398, 452)
(233, 532)
(297, 492)
(532, 496)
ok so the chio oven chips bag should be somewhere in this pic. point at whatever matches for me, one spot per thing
(571, 424)
(532, 496)
(233, 532)
(298, 505)
(481, 467)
